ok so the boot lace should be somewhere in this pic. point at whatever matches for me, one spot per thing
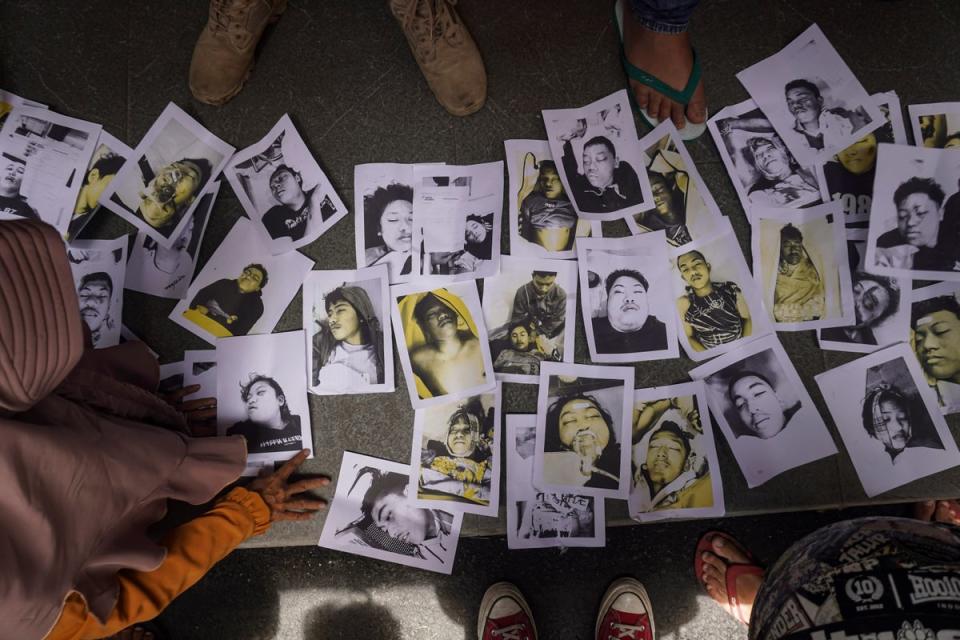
(224, 13)
(429, 21)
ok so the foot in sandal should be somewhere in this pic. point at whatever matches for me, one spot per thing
(944, 511)
(729, 573)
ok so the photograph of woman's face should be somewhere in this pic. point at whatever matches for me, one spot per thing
(895, 421)
(344, 322)
(582, 426)
(264, 404)
(396, 225)
(400, 519)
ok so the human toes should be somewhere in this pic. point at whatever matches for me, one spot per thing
(666, 106)
(642, 94)
(677, 115)
(654, 102)
(945, 512)
(727, 549)
(696, 111)
(924, 510)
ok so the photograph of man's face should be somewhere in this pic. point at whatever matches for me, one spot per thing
(95, 293)
(172, 189)
(627, 304)
(771, 160)
(437, 320)
(873, 301)
(761, 411)
(461, 438)
(264, 403)
(861, 156)
(550, 183)
(520, 338)
(805, 104)
(694, 269)
(936, 338)
(666, 455)
(13, 171)
(250, 280)
(599, 160)
(402, 521)
(918, 219)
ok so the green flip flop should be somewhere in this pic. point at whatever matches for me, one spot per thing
(692, 130)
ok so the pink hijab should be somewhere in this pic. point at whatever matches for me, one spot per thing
(89, 455)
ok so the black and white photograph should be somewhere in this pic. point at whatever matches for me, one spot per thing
(283, 189)
(539, 519)
(601, 160)
(763, 410)
(915, 215)
(159, 271)
(543, 222)
(107, 159)
(812, 98)
(371, 516)
(346, 317)
(935, 338)
(41, 155)
(764, 173)
(457, 217)
(442, 341)
(98, 268)
(881, 306)
(718, 304)
(262, 394)
(684, 208)
(627, 299)
(583, 429)
(848, 176)
(888, 419)
(200, 368)
(10, 101)
(238, 291)
(455, 457)
(935, 125)
(675, 468)
(800, 263)
(383, 206)
(159, 189)
(529, 309)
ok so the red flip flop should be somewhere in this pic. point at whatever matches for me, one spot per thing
(734, 569)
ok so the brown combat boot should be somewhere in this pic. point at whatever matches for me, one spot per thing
(223, 56)
(447, 55)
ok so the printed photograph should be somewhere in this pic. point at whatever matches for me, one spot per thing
(108, 157)
(98, 268)
(10, 101)
(935, 338)
(383, 202)
(935, 126)
(200, 368)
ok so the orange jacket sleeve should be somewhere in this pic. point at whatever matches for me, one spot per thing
(192, 550)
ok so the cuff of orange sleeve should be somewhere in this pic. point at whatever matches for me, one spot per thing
(254, 505)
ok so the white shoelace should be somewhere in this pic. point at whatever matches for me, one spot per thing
(622, 629)
(510, 633)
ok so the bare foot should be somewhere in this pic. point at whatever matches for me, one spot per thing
(945, 511)
(727, 552)
(133, 633)
(669, 57)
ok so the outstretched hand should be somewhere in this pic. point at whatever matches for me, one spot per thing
(200, 413)
(285, 500)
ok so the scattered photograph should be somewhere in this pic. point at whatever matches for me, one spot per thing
(41, 153)
(684, 208)
(108, 157)
(763, 410)
(383, 202)
(200, 367)
(800, 262)
(442, 341)
(601, 160)
(627, 299)
(675, 468)
(543, 222)
(528, 307)
(848, 176)
(160, 188)
(935, 126)
(371, 516)
(346, 317)
(10, 101)
(262, 394)
(583, 427)
(889, 419)
(457, 217)
(763, 171)
(98, 273)
(935, 337)
(539, 519)
(717, 302)
(236, 294)
(812, 98)
(881, 306)
(283, 189)
(456, 455)
(158, 271)
(915, 214)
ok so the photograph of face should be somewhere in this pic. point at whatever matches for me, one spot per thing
(40, 153)
(108, 157)
(539, 519)
(601, 159)
(675, 469)
(915, 218)
(892, 429)
(371, 516)
(815, 103)
(583, 421)
(848, 176)
(159, 189)
(801, 264)
(283, 189)
(163, 272)
(763, 171)
(626, 298)
(346, 319)
(236, 295)
(684, 208)
(935, 126)
(762, 408)
(442, 342)
(98, 273)
(935, 338)
(262, 394)
(384, 207)
(527, 307)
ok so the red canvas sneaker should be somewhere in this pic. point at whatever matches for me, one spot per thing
(625, 612)
(505, 615)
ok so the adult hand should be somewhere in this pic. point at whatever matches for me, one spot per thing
(200, 413)
(282, 498)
